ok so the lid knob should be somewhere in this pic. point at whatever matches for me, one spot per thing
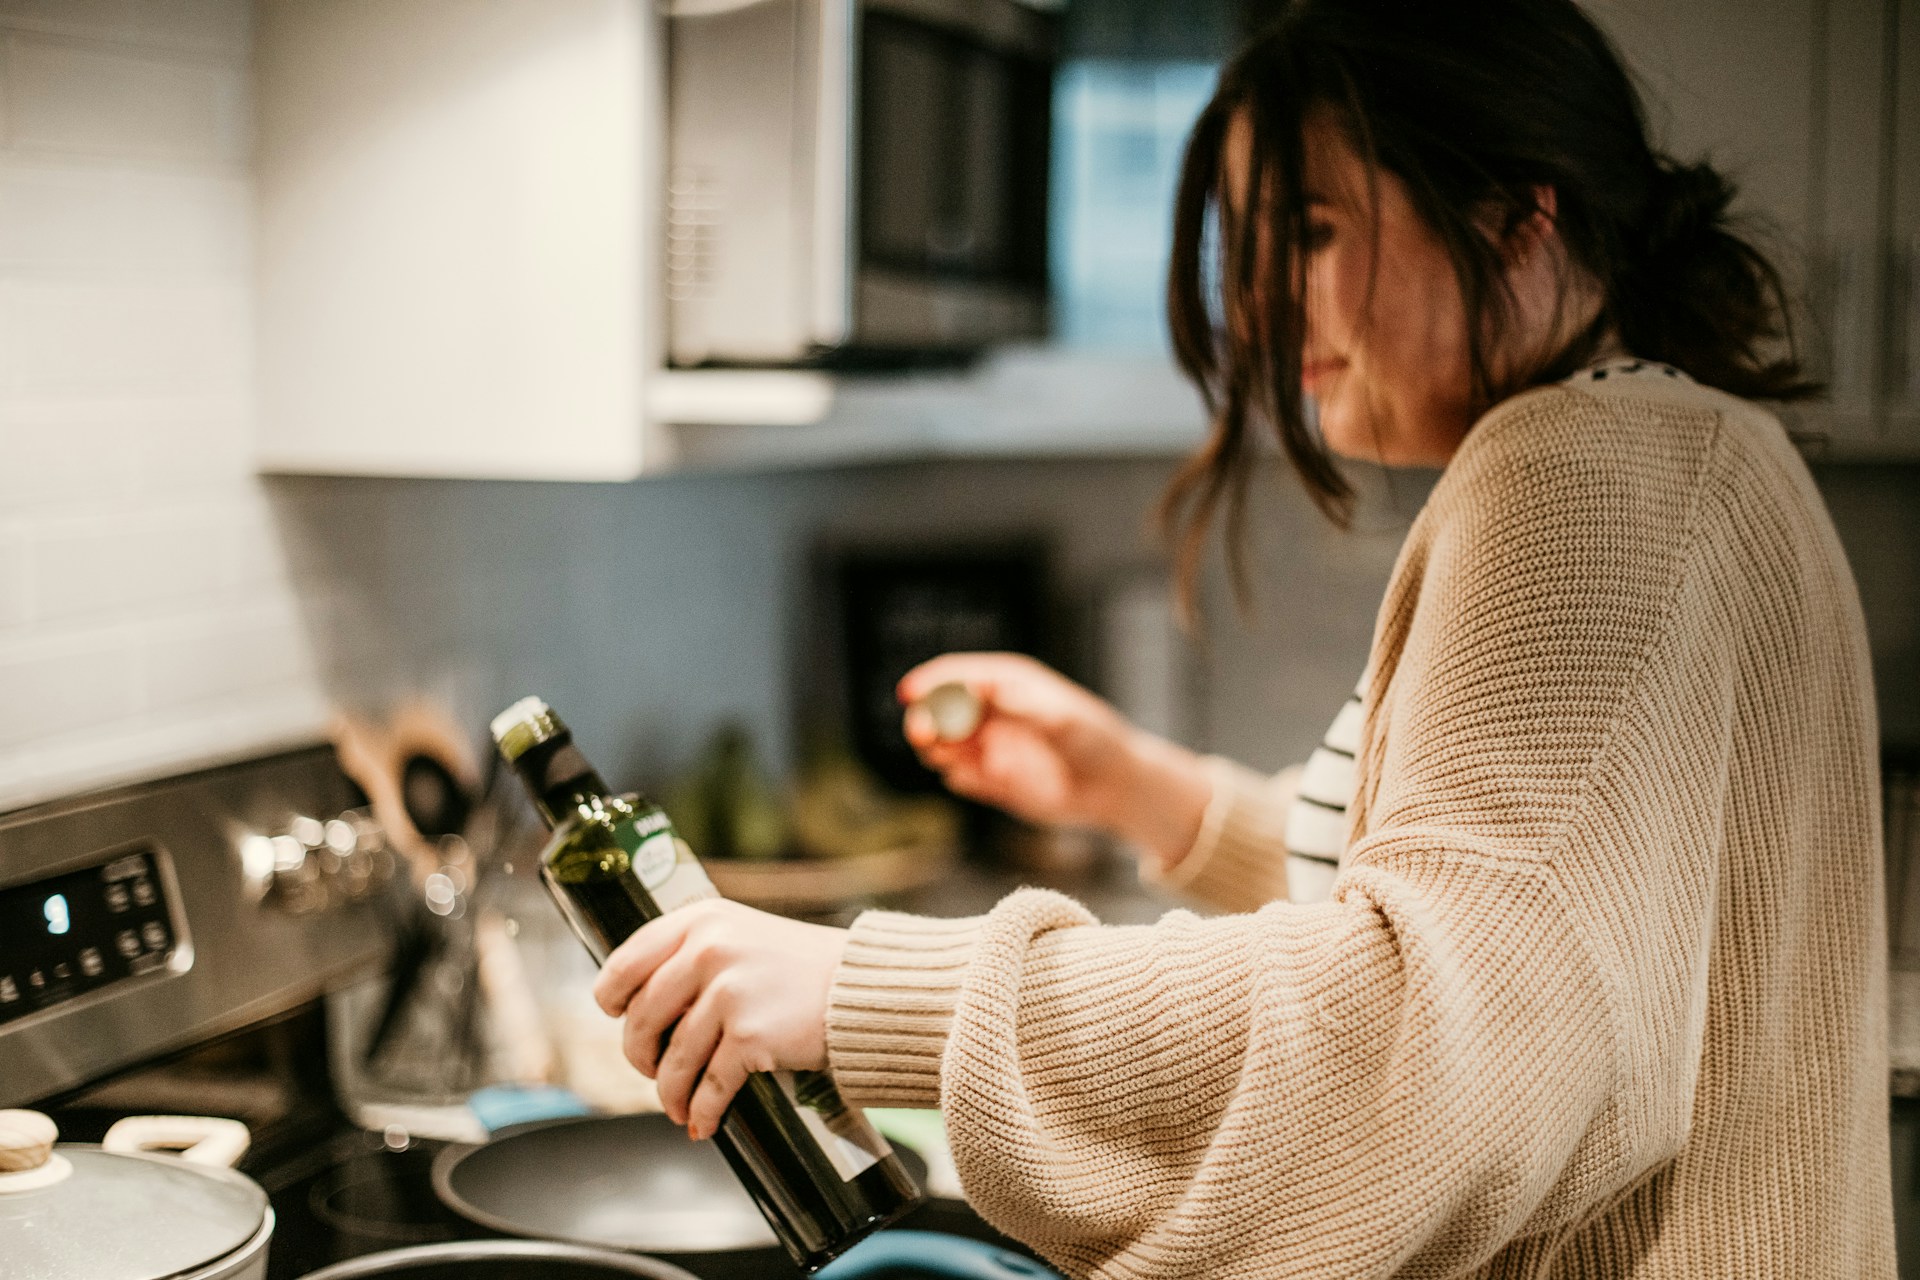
(26, 1140)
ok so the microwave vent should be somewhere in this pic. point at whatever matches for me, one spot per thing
(696, 201)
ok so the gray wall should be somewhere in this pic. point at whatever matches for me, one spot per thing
(1877, 512)
(651, 611)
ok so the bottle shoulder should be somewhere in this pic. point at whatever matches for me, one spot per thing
(596, 824)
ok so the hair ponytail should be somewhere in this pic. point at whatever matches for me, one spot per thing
(1695, 293)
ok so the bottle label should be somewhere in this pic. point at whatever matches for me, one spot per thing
(667, 869)
(654, 860)
(844, 1134)
(673, 877)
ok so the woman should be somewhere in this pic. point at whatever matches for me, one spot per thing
(1599, 987)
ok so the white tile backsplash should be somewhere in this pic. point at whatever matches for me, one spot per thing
(196, 451)
(59, 685)
(56, 216)
(95, 99)
(139, 564)
(162, 741)
(111, 456)
(218, 30)
(205, 657)
(147, 616)
(64, 459)
(13, 582)
(68, 338)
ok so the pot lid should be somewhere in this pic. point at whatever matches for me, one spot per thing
(127, 1217)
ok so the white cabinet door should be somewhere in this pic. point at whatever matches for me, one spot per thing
(458, 231)
(1900, 381)
(1787, 98)
(1731, 81)
(1850, 161)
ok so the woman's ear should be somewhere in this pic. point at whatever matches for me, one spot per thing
(1534, 231)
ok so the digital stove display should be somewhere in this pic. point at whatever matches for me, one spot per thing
(73, 934)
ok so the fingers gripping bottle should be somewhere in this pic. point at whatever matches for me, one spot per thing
(819, 1172)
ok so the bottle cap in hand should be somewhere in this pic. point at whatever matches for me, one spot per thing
(954, 709)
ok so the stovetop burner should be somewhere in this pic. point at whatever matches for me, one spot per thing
(382, 1195)
(357, 1194)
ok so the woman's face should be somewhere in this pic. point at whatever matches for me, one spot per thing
(1385, 353)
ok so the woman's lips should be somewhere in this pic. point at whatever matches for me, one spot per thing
(1315, 373)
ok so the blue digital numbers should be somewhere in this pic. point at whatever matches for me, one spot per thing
(59, 918)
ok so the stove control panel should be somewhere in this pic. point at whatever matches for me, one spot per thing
(68, 936)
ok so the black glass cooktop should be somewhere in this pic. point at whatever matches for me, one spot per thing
(360, 1193)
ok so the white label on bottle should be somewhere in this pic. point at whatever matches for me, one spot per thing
(684, 880)
(850, 1143)
(653, 860)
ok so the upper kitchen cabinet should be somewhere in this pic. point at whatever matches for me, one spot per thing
(1810, 106)
(1901, 370)
(458, 213)
(484, 248)
(1869, 235)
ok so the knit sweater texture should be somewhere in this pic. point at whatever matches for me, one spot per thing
(1600, 989)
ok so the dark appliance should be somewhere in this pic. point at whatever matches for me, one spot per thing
(898, 608)
(856, 177)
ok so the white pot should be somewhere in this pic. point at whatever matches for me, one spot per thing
(119, 1211)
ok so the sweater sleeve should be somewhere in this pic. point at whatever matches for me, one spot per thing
(1260, 1094)
(1493, 1027)
(1238, 861)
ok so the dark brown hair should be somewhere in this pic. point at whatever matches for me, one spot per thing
(1473, 105)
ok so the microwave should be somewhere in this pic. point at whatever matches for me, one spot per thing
(853, 180)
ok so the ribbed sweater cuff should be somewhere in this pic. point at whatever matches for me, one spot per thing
(1239, 857)
(892, 1004)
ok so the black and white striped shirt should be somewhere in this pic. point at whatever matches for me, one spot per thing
(1317, 820)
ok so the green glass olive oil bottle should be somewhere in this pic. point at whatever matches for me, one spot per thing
(819, 1172)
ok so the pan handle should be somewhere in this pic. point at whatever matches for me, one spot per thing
(930, 1255)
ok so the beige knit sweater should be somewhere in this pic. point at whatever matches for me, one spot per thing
(1601, 988)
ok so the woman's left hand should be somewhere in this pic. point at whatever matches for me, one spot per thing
(748, 991)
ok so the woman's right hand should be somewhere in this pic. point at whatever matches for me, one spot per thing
(1052, 752)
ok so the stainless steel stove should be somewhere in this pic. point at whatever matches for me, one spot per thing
(167, 947)
(170, 947)
(145, 920)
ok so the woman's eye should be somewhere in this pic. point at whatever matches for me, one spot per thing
(1319, 236)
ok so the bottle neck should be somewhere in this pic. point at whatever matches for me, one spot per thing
(560, 779)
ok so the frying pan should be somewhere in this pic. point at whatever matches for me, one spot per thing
(636, 1183)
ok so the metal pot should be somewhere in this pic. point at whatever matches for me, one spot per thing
(120, 1212)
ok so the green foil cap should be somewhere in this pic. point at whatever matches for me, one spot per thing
(525, 725)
